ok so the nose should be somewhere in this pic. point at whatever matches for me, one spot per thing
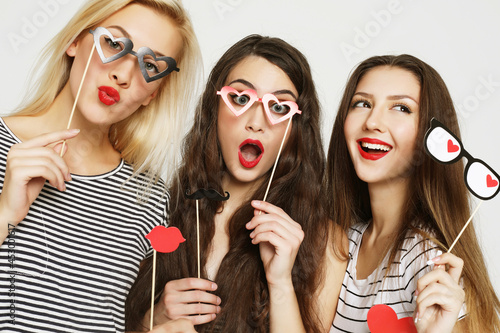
(375, 120)
(123, 70)
(256, 118)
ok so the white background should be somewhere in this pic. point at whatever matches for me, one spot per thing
(459, 38)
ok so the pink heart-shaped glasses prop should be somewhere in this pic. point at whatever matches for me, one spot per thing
(228, 92)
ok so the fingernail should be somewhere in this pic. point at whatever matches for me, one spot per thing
(255, 202)
(435, 259)
(214, 286)
(248, 225)
(74, 131)
(416, 318)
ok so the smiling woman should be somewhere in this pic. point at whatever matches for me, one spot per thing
(401, 208)
(64, 205)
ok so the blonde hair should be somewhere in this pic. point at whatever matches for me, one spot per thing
(150, 138)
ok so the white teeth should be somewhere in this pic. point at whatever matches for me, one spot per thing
(375, 146)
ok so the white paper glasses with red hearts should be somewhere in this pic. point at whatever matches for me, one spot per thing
(110, 49)
(444, 147)
(239, 102)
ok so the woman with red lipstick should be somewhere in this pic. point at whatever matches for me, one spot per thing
(266, 266)
(401, 208)
(73, 227)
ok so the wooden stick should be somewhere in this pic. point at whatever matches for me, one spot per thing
(465, 226)
(78, 95)
(198, 236)
(277, 158)
(153, 291)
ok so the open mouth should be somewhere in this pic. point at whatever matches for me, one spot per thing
(250, 152)
(373, 149)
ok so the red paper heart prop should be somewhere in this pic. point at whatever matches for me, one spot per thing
(165, 239)
(490, 182)
(451, 147)
(382, 319)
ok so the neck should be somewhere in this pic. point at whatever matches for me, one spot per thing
(387, 204)
(239, 192)
(90, 152)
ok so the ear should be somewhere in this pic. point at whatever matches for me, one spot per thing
(71, 50)
(150, 98)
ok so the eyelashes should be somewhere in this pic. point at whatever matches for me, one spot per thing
(363, 103)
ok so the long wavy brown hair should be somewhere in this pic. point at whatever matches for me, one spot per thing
(295, 188)
(438, 200)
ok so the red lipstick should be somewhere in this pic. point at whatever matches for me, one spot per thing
(108, 95)
(373, 153)
(250, 153)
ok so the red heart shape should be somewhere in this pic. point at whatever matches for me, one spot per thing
(490, 182)
(451, 147)
(382, 319)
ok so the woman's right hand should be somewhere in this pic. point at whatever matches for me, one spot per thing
(188, 298)
(29, 164)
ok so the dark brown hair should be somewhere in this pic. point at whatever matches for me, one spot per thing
(295, 188)
(438, 200)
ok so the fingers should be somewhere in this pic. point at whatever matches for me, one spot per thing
(41, 162)
(441, 288)
(454, 263)
(275, 226)
(49, 138)
(190, 298)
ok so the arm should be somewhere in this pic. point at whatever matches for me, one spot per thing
(279, 238)
(440, 296)
(334, 273)
(29, 164)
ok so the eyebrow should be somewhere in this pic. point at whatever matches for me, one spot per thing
(251, 86)
(391, 97)
(126, 34)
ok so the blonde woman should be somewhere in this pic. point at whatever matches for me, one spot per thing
(73, 227)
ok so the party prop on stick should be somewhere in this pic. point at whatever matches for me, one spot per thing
(110, 49)
(276, 111)
(77, 96)
(197, 195)
(163, 240)
(444, 147)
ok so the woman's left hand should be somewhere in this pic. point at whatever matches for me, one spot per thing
(279, 238)
(440, 296)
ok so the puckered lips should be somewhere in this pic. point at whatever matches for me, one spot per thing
(250, 152)
(373, 149)
(108, 95)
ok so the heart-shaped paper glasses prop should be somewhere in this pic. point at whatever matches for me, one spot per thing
(276, 111)
(110, 48)
(445, 147)
(239, 102)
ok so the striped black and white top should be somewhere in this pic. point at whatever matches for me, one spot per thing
(68, 266)
(396, 289)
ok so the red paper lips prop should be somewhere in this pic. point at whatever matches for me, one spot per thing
(164, 239)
